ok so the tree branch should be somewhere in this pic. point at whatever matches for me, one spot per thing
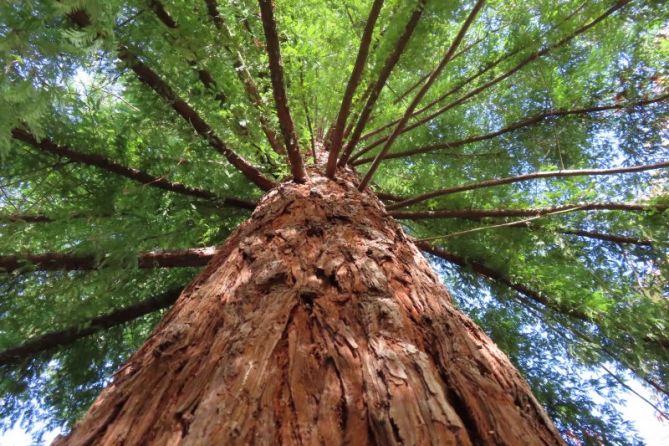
(532, 225)
(25, 218)
(468, 80)
(53, 261)
(159, 10)
(536, 296)
(476, 214)
(531, 58)
(497, 276)
(523, 123)
(278, 88)
(106, 164)
(527, 177)
(606, 237)
(375, 91)
(203, 75)
(421, 110)
(151, 79)
(245, 78)
(60, 338)
(425, 76)
(421, 93)
(338, 130)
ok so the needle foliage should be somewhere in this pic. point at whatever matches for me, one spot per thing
(129, 127)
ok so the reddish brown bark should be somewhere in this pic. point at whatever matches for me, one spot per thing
(317, 322)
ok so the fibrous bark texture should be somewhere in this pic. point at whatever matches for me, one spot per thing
(317, 322)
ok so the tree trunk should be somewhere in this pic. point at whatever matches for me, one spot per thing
(318, 322)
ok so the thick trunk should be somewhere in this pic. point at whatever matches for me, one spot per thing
(318, 322)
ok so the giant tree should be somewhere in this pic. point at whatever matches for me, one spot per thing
(222, 213)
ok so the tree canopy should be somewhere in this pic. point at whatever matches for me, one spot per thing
(523, 145)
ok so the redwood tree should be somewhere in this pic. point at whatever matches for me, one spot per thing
(239, 193)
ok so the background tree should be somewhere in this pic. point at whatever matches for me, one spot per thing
(522, 145)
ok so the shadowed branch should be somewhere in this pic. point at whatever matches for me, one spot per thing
(53, 261)
(151, 79)
(534, 295)
(106, 164)
(245, 78)
(60, 338)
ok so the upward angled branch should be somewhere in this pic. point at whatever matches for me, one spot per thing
(457, 87)
(48, 341)
(527, 177)
(205, 77)
(529, 59)
(523, 123)
(354, 80)
(375, 91)
(245, 77)
(151, 79)
(278, 88)
(108, 165)
(487, 67)
(421, 93)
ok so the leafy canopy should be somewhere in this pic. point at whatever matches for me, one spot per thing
(523, 144)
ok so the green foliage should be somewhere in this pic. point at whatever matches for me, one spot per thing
(65, 82)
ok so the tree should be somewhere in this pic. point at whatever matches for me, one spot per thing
(521, 147)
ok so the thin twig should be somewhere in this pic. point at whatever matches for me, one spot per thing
(501, 225)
